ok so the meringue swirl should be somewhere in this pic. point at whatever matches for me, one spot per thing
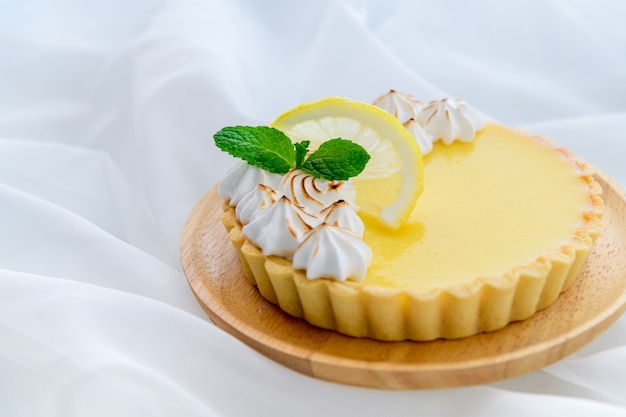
(315, 194)
(278, 214)
(242, 178)
(333, 252)
(423, 139)
(450, 120)
(447, 120)
(403, 106)
(254, 203)
(341, 214)
(280, 228)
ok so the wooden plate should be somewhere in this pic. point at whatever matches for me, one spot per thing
(580, 314)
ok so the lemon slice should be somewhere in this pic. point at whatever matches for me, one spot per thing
(392, 181)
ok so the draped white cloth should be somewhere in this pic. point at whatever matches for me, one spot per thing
(107, 109)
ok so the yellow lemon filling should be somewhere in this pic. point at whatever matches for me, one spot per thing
(499, 201)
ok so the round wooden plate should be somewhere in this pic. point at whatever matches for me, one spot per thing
(580, 314)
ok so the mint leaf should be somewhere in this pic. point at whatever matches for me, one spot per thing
(261, 146)
(301, 150)
(337, 159)
(270, 149)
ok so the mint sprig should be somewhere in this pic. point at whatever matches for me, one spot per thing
(270, 149)
(261, 146)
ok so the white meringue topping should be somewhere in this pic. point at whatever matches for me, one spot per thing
(280, 228)
(277, 217)
(242, 178)
(333, 252)
(424, 140)
(340, 214)
(315, 194)
(403, 106)
(450, 120)
(446, 119)
(254, 203)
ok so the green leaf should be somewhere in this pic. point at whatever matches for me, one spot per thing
(301, 150)
(270, 149)
(261, 146)
(337, 159)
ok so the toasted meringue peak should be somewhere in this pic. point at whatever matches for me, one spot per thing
(340, 214)
(279, 229)
(333, 252)
(314, 194)
(450, 120)
(446, 119)
(403, 106)
(242, 178)
(254, 203)
(278, 216)
(423, 139)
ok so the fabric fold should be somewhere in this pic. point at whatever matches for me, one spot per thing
(107, 111)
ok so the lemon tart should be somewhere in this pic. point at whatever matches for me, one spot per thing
(498, 225)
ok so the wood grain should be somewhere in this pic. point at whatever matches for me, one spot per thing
(581, 313)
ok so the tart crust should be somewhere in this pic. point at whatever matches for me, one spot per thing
(447, 311)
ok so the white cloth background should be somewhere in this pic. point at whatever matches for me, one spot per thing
(107, 110)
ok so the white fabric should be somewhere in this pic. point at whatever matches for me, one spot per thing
(107, 109)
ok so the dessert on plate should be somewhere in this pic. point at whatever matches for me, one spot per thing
(403, 220)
